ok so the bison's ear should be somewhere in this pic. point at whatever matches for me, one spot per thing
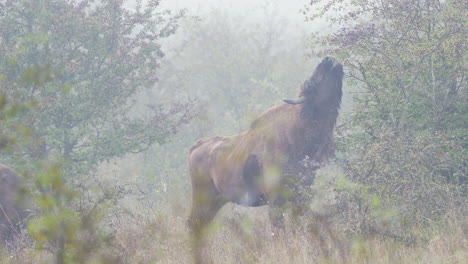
(300, 100)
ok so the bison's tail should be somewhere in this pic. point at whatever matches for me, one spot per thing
(204, 140)
(198, 144)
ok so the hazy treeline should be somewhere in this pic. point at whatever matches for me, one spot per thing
(99, 105)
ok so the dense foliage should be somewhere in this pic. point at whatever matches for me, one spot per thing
(82, 63)
(70, 76)
(405, 140)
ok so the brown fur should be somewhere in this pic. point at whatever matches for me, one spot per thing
(249, 168)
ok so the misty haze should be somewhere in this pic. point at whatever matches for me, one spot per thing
(289, 131)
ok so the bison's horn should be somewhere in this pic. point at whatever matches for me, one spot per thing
(301, 100)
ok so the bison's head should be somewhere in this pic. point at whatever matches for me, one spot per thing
(324, 87)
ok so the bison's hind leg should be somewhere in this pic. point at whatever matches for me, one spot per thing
(206, 202)
(204, 208)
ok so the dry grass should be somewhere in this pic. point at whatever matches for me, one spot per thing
(244, 235)
(156, 233)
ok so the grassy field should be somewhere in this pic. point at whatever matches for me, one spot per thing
(244, 235)
(145, 231)
(241, 235)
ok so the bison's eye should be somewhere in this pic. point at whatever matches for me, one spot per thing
(310, 86)
(307, 85)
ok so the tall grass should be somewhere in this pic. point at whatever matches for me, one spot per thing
(242, 235)
(145, 232)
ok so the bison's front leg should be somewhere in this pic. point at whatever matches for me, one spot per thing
(290, 196)
(276, 213)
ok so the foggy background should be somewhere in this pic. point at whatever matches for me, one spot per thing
(206, 57)
(100, 105)
(208, 60)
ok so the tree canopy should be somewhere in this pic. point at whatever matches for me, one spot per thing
(406, 136)
(83, 65)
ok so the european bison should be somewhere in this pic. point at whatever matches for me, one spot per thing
(250, 168)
